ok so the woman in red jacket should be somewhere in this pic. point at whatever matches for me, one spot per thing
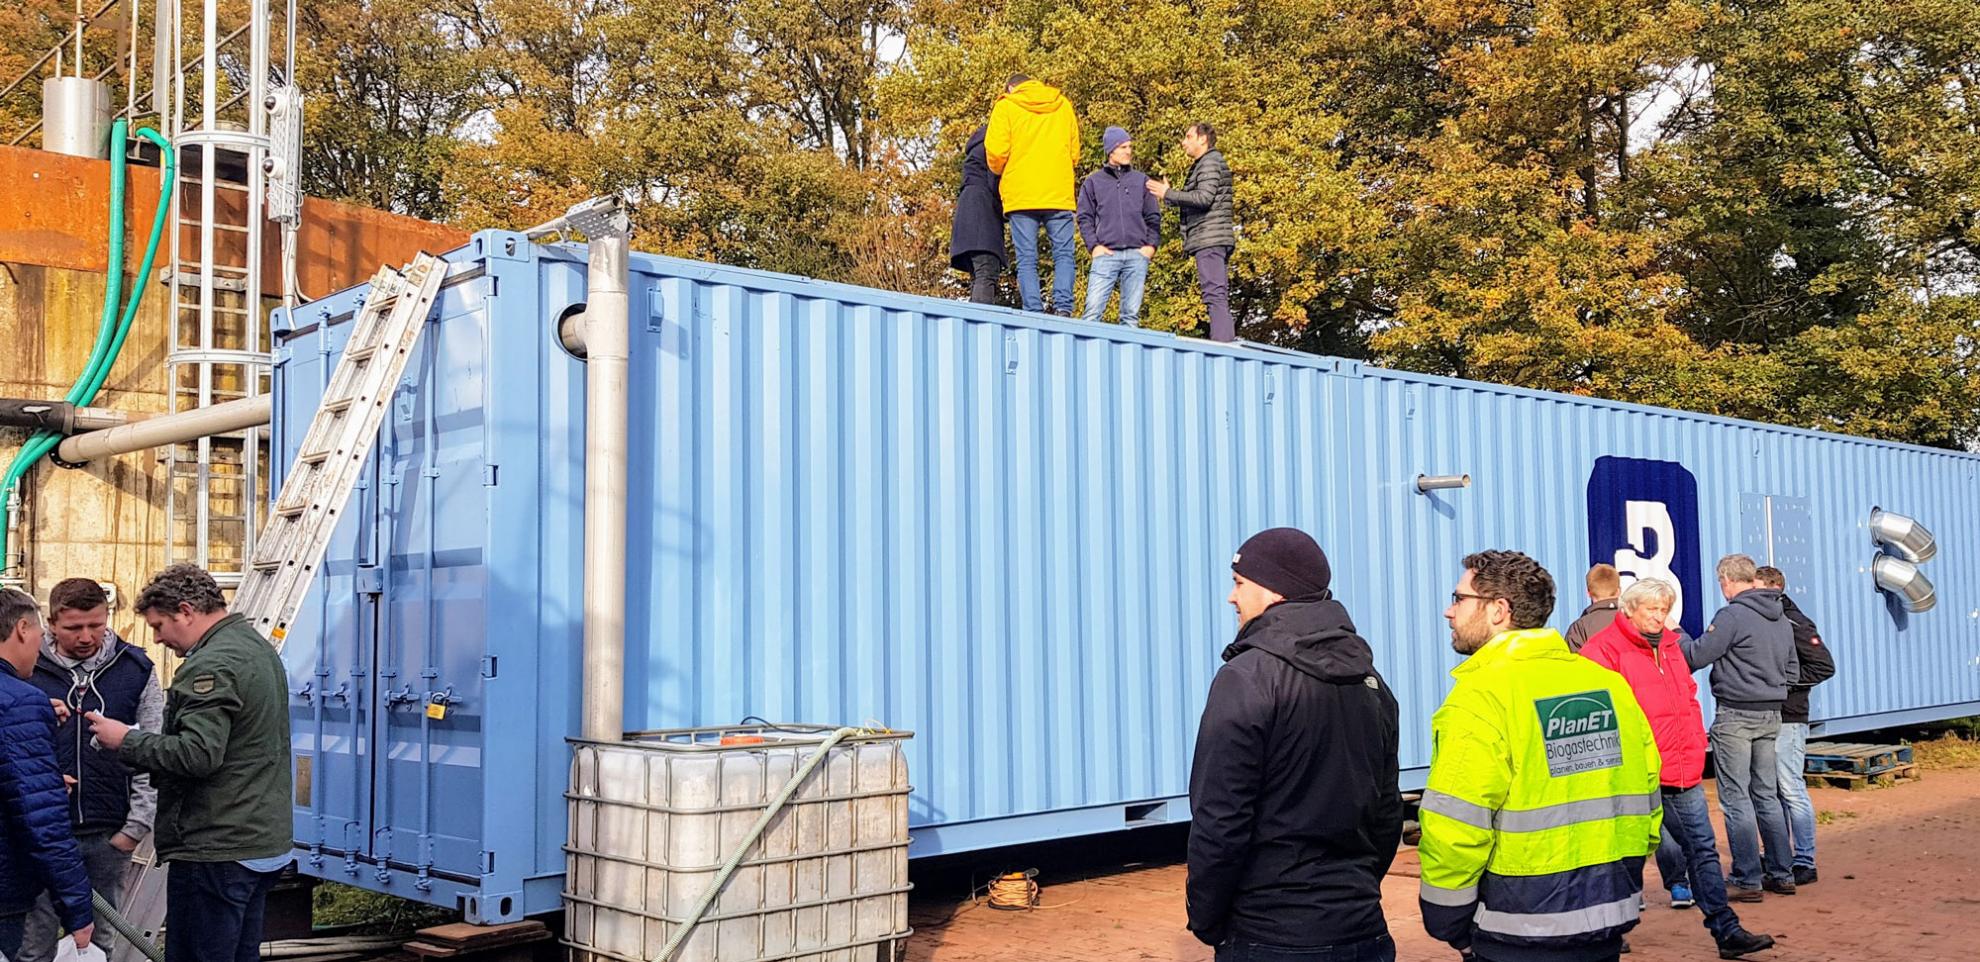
(1645, 652)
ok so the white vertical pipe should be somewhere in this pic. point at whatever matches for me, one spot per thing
(607, 341)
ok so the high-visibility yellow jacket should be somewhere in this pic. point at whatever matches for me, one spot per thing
(1033, 143)
(1542, 804)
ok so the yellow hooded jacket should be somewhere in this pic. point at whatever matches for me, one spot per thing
(1033, 143)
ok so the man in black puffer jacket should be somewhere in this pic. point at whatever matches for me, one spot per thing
(1209, 223)
(1295, 811)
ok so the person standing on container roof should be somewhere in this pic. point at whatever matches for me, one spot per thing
(1209, 223)
(1750, 647)
(37, 851)
(1815, 667)
(1033, 145)
(221, 764)
(85, 667)
(1604, 585)
(1638, 645)
(976, 233)
(1543, 797)
(1121, 223)
(1295, 811)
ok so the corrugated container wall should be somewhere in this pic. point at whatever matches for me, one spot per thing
(1008, 533)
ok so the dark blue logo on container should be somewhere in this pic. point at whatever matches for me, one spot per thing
(1643, 518)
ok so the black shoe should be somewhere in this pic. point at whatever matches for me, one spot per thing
(1804, 876)
(1779, 886)
(1625, 950)
(1736, 894)
(1740, 942)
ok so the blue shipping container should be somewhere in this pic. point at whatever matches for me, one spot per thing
(1006, 532)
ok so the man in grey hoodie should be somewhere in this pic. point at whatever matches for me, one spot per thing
(1750, 646)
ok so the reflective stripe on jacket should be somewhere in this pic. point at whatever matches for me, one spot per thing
(1542, 801)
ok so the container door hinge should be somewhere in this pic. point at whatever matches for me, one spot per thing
(490, 475)
(370, 580)
(488, 666)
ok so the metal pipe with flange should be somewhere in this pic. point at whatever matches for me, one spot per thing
(60, 417)
(168, 429)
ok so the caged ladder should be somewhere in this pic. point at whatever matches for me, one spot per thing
(331, 457)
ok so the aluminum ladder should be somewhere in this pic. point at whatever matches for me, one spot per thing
(298, 530)
(291, 543)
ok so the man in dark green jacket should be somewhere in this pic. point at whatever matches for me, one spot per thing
(221, 766)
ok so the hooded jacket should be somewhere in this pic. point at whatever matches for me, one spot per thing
(119, 682)
(1661, 680)
(978, 225)
(1750, 646)
(1815, 666)
(1033, 144)
(1295, 810)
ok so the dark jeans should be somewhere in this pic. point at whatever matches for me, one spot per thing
(1213, 278)
(11, 927)
(1688, 819)
(106, 867)
(213, 911)
(1378, 949)
(984, 269)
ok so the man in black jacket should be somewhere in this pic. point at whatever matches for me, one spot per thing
(1816, 667)
(1209, 223)
(1295, 812)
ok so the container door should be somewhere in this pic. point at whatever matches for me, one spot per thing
(432, 633)
(331, 649)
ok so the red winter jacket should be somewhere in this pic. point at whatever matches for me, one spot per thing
(1661, 680)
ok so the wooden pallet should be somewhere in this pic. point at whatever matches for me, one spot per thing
(1854, 759)
(1859, 781)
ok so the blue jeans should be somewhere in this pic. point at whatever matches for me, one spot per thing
(213, 911)
(1378, 949)
(1671, 863)
(1688, 822)
(1744, 747)
(1058, 226)
(1126, 268)
(1793, 754)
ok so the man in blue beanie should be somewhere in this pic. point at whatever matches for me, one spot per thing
(1121, 223)
(1294, 807)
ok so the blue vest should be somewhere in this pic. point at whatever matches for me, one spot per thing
(101, 801)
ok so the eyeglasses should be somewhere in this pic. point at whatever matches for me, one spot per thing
(1458, 597)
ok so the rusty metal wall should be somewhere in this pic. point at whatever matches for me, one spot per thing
(106, 520)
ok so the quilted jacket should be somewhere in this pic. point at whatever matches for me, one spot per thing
(37, 849)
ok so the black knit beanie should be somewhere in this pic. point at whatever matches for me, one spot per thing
(1287, 561)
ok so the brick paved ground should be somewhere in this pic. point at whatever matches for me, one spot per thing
(1899, 872)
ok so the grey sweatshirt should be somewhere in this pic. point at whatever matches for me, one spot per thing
(1750, 646)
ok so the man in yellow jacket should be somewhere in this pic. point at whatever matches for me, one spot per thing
(1543, 798)
(1033, 143)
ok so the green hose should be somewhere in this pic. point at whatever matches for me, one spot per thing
(112, 331)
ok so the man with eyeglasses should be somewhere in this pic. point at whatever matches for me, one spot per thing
(1543, 798)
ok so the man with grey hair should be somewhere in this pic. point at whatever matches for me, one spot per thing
(1639, 645)
(1750, 647)
(221, 764)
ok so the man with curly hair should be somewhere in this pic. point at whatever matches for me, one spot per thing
(221, 766)
(1543, 798)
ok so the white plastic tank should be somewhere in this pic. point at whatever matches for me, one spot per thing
(654, 817)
